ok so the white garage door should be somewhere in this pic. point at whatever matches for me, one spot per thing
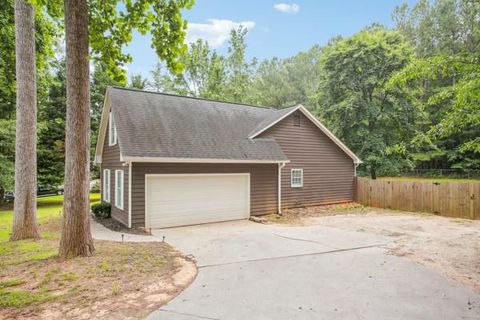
(185, 199)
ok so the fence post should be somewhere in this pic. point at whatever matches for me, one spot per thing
(472, 200)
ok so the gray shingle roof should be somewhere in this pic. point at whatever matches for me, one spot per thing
(161, 125)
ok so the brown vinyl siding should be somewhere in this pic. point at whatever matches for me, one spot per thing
(111, 160)
(328, 172)
(263, 183)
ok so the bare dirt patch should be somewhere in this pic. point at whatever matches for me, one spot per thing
(451, 246)
(297, 216)
(120, 281)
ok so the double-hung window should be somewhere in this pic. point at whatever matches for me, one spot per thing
(296, 178)
(119, 189)
(106, 185)
(112, 131)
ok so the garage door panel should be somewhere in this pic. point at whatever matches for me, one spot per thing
(174, 200)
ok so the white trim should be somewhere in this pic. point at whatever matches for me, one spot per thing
(195, 160)
(195, 174)
(145, 193)
(103, 129)
(318, 124)
(296, 185)
(129, 194)
(122, 189)
(105, 190)
(151, 175)
(249, 213)
(279, 195)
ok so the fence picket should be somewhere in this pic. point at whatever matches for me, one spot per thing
(453, 199)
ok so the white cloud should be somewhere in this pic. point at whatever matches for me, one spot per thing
(287, 7)
(215, 31)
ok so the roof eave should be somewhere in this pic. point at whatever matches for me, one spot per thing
(102, 130)
(196, 160)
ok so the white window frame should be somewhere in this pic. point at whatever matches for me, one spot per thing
(112, 131)
(293, 183)
(119, 189)
(106, 185)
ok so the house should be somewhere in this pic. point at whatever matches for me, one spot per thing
(169, 160)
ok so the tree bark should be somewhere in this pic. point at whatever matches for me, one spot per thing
(2, 193)
(24, 221)
(76, 239)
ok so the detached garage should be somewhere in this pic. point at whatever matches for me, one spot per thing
(183, 199)
(169, 160)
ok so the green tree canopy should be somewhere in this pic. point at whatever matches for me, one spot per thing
(355, 102)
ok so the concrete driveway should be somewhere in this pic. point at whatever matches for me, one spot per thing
(253, 271)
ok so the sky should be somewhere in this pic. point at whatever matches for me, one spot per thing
(275, 28)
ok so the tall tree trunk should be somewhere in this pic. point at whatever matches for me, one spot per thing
(2, 194)
(76, 238)
(24, 221)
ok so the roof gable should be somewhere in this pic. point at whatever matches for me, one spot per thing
(280, 116)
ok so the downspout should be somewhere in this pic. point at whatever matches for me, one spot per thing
(130, 194)
(355, 169)
(280, 166)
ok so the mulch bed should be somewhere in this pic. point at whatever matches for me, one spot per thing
(114, 225)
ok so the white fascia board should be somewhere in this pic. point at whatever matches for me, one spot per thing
(103, 129)
(195, 160)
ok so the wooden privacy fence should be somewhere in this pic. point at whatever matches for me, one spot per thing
(451, 199)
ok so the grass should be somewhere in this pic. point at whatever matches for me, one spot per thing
(420, 179)
(21, 298)
(34, 280)
(48, 214)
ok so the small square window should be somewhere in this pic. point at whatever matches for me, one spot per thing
(296, 178)
(296, 120)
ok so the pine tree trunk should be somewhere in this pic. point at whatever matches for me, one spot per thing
(2, 194)
(76, 237)
(24, 221)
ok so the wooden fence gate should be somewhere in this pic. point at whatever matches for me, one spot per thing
(451, 199)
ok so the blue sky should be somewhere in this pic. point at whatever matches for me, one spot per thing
(276, 28)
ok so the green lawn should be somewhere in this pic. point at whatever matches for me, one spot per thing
(49, 211)
(47, 208)
(441, 179)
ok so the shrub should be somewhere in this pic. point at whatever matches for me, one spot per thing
(95, 186)
(101, 210)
